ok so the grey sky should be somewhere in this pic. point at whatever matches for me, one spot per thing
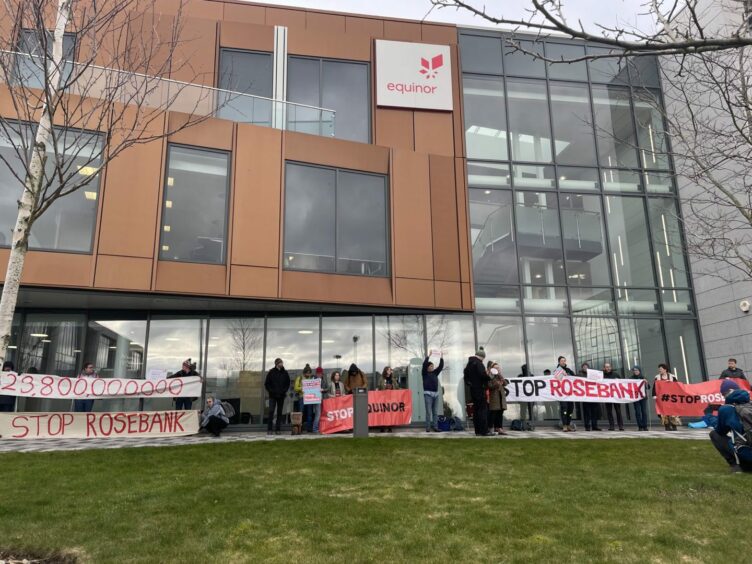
(624, 13)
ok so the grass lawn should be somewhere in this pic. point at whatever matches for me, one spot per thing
(381, 499)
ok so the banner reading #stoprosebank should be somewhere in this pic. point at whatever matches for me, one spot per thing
(570, 388)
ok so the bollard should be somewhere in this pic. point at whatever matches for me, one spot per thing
(360, 412)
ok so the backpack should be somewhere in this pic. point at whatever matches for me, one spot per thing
(744, 411)
(229, 410)
(516, 425)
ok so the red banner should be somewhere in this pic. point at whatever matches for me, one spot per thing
(385, 409)
(675, 398)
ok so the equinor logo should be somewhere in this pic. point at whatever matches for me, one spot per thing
(429, 69)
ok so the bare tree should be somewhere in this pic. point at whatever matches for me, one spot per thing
(246, 340)
(91, 81)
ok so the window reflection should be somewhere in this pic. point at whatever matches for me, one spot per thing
(597, 341)
(614, 129)
(529, 125)
(584, 240)
(454, 336)
(650, 132)
(628, 235)
(400, 343)
(492, 236)
(683, 350)
(539, 238)
(573, 124)
(485, 118)
(670, 261)
(347, 340)
(643, 344)
(246, 72)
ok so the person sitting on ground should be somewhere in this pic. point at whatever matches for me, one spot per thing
(336, 385)
(355, 379)
(732, 371)
(213, 418)
(387, 381)
(736, 450)
(497, 398)
(8, 403)
(669, 422)
(431, 395)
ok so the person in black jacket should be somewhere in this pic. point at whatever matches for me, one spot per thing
(477, 380)
(277, 384)
(732, 371)
(590, 410)
(8, 403)
(609, 374)
(188, 369)
(566, 407)
(431, 392)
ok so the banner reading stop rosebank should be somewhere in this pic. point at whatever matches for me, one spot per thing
(98, 425)
(569, 388)
(63, 387)
(675, 398)
(385, 409)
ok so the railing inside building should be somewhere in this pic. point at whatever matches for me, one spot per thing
(153, 93)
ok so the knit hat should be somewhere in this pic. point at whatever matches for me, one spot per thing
(480, 353)
(319, 370)
(307, 369)
(727, 386)
(636, 367)
(353, 369)
(277, 361)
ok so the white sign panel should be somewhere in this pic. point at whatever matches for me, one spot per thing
(413, 75)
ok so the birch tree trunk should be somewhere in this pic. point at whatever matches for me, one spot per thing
(34, 179)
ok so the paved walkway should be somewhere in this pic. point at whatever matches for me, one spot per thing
(49, 445)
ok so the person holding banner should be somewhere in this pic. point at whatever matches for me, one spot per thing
(387, 381)
(336, 386)
(355, 379)
(85, 405)
(477, 380)
(566, 408)
(609, 374)
(188, 369)
(8, 403)
(641, 406)
(669, 422)
(731, 419)
(314, 409)
(430, 376)
(213, 418)
(732, 371)
(590, 410)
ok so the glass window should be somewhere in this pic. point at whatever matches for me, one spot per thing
(68, 224)
(345, 340)
(584, 240)
(670, 259)
(480, 54)
(573, 124)
(485, 118)
(545, 299)
(597, 341)
(400, 344)
(635, 302)
(492, 237)
(246, 72)
(31, 70)
(519, 59)
(614, 128)
(529, 125)
(547, 339)
(571, 178)
(621, 180)
(611, 70)
(643, 345)
(341, 86)
(644, 71)
(497, 299)
(503, 341)
(566, 52)
(488, 175)
(234, 366)
(592, 301)
(650, 133)
(628, 238)
(532, 176)
(335, 221)
(304, 87)
(683, 350)
(539, 238)
(12, 353)
(658, 183)
(194, 216)
(677, 302)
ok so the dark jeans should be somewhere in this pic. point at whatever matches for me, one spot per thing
(566, 408)
(590, 412)
(183, 403)
(723, 445)
(641, 413)
(615, 407)
(215, 425)
(83, 406)
(480, 413)
(275, 403)
(496, 419)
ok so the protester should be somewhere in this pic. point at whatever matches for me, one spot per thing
(477, 380)
(641, 406)
(732, 371)
(565, 407)
(188, 369)
(298, 389)
(669, 422)
(355, 379)
(213, 418)
(86, 405)
(609, 374)
(387, 381)
(736, 449)
(277, 384)
(431, 392)
(590, 410)
(497, 398)
(336, 386)
(314, 409)
(8, 403)
(524, 373)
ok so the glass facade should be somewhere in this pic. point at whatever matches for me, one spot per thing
(247, 72)
(575, 227)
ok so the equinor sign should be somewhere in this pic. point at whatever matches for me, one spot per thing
(413, 75)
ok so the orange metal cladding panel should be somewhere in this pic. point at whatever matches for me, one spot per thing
(394, 128)
(57, 269)
(417, 293)
(327, 23)
(459, 131)
(131, 201)
(4, 254)
(252, 282)
(335, 152)
(244, 14)
(439, 34)
(192, 8)
(295, 19)
(467, 297)
(246, 36)
(463, 221)
(434, 133)
(123, 273)
(194, 57)
(446, 257)
(258, 188)
(210, 133)
(189, 278)
(333, 44)
(448, 294)
(402, 31)
(413, 249)
(364, 26)
(313, 286)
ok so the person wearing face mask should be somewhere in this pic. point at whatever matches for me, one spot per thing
(497, 398)
(277, 384)
(388, 381)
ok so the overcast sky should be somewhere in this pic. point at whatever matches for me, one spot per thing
(606, 12)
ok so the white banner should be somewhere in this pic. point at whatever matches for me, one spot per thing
(570, 388)
(98, 425)
(63, 387)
